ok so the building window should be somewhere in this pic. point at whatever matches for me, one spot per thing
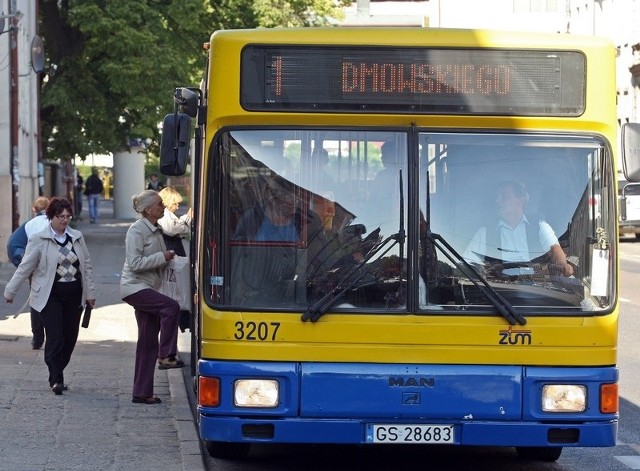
(535, 6)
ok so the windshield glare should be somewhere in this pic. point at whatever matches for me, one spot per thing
(350, 217)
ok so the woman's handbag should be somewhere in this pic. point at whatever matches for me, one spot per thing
(176, 282)
(174, 243)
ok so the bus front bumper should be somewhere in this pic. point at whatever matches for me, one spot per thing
(230, 429)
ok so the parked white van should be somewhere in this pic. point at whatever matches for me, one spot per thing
(629, 196)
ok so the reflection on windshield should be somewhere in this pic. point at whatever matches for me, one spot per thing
(307, 211)
(304, 212)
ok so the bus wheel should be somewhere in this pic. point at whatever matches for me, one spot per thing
(226, 450)
(539, 453)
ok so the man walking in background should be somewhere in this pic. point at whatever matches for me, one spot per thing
(93, 189)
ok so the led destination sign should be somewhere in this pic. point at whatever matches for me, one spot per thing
(413, 80)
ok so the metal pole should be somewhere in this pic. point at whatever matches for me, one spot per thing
(15, 134)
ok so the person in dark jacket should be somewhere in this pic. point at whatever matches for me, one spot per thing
(154, 183)
(16, 246)
(93, 188)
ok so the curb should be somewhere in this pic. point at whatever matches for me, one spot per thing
(190, 444)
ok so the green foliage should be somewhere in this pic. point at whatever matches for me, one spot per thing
(232, 14)
(119, 61)
(116, 71)
(295, 13)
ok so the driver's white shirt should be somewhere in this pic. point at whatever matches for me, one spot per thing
(513, 243)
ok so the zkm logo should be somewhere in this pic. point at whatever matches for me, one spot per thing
(515, 337)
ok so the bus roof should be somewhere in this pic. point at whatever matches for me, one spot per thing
(391, 36)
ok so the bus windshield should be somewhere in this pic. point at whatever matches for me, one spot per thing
(348, 218)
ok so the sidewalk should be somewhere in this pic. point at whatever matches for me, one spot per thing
(94, 425)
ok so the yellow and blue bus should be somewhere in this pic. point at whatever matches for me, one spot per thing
(403, 236)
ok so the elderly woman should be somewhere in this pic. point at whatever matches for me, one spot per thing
(57, 262)
(146, 257)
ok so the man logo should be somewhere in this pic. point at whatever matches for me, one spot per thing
(419, 382)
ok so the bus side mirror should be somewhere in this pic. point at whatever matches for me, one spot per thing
(187, 101)
(623, 208)
(631, 151)
(174, 146)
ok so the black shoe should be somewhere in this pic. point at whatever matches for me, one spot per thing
(36, 343)
(57, 389)
(146, 400)
(169, 362)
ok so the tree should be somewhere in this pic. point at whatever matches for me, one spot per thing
(294, 13)
(117, 62)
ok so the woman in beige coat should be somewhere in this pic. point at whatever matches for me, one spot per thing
(156, 314)
(57, 261)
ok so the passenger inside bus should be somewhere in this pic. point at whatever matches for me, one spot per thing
(319, 163)
(334, 248)
(386, 183)
(275, 218)
(382, 207)
(515, 240)
(389, 158)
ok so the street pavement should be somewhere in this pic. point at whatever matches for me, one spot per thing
(94, 425)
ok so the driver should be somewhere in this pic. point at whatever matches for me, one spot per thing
(514, 238)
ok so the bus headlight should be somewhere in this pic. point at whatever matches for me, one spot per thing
(564, 398)
(256, 393)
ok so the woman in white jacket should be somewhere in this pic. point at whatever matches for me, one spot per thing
(174, 227)
(57, 261)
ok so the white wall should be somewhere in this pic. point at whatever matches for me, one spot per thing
(128, 178)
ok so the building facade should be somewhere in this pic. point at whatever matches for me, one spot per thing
(21, 54)
(615, 19)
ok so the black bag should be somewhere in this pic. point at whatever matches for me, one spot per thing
(174, 243)
(87, 315)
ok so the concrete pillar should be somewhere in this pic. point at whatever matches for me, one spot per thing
(128, 180)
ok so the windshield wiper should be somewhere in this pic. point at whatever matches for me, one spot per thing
(320, 307)
(504, 307)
